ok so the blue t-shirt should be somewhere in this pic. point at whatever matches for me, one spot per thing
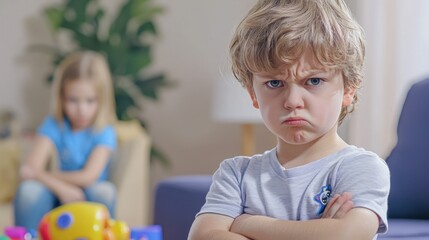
(74, 147)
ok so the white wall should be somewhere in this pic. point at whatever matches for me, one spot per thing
(22, 85)
(397, 55)
(192, 48)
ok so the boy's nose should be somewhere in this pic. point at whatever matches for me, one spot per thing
(293, 98)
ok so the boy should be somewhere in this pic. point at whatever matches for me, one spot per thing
(301, 62)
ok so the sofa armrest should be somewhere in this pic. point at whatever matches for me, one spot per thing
(177, 201)
(9, 164)
(129, 171)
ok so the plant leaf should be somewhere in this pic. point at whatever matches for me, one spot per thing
(54, 16)
(143, 10)
(157, 155)
(138, 59)
(150, 87)
(119, 25)
(123, 103)
(146, 28)
(75, 14)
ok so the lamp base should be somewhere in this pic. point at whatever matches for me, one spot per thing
(247, 139)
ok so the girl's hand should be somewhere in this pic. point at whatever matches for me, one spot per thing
(70, 193)
(338, 206)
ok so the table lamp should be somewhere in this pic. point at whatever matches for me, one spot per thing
(232, 103)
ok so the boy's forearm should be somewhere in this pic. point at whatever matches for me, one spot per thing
(210, 226)
(219, 235)
(262, 227)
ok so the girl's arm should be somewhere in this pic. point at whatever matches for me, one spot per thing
(358, 223)
(38, 158)
(65, 192)
(96, 163)
(34, 168)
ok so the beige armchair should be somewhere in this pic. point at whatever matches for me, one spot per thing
(129, 172)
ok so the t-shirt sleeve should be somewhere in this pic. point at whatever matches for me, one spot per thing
(50, 129)
(367, 178)
(106, 138)
(225, 195)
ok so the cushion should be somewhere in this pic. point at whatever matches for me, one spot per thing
(409, 229)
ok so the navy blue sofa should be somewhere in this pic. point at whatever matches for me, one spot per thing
(178, 199)
(409, 168)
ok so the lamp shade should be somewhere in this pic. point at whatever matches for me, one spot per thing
(232, 103)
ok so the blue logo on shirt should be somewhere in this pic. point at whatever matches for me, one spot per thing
(323, 197)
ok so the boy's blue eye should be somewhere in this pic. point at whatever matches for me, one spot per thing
(314, 81)
(274, 83)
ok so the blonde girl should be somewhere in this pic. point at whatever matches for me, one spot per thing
(80, 131)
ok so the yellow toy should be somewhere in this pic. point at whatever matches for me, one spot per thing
(82, 220)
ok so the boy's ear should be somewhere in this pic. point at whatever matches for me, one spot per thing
(253, 97)
(349, 94)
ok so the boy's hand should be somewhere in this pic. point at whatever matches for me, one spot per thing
(240, 222)
(338, 206)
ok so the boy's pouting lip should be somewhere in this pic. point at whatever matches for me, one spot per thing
(295, 121)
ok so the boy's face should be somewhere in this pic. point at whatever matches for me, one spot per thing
(302, 103)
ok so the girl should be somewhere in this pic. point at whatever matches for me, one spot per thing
(80, 131)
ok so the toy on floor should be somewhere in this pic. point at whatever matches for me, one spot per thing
(153, 232)
(16, 233)
(82, 220)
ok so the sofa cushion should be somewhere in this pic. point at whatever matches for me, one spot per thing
(407, 229)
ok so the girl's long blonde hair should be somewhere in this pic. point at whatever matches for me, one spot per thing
(85, 66)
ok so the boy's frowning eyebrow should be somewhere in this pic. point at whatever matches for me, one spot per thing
(304, 73)
(313, 72)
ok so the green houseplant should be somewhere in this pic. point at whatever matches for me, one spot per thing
(126, 44)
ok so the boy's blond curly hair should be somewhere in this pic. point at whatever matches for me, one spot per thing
(275, 33)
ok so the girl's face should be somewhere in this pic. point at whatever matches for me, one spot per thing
(80, 103)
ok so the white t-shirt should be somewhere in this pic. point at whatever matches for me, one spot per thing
(259, 185)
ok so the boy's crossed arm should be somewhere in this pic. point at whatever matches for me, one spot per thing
(358, 223)
(339, 221)
(211, 226)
